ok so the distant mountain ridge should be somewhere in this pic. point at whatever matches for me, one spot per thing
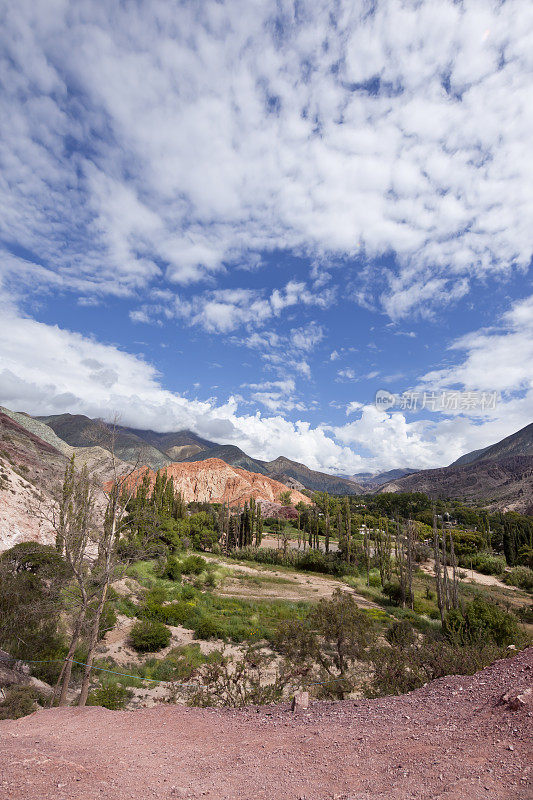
(312, 479)
(517, 444)
(373, 480)
(158, 450)
(232, 455)
(500, 476)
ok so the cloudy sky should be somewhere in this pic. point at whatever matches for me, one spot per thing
(247, 218)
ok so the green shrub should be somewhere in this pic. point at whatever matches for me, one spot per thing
(178, 613)
(522, 577)
(147, 636)
(193, 565)
(172, 569)
(482, 621)
(206, 628)
(210, 580)
(113, 696)
(188, 593)
(393, 591)
(401, 634)
(374, 579)
(487, 563)
(19, 702)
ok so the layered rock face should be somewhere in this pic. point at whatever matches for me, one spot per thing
(214, 481)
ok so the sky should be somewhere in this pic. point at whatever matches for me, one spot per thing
(249, 219)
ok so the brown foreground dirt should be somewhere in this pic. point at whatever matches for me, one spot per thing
(451, 739)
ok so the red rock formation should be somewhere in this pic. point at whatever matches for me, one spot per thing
(214, 481)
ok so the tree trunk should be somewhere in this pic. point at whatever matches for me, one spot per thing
(93, 641)
(67, 666)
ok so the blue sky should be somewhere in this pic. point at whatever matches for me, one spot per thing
(248, 218)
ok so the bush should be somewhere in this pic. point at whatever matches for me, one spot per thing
(311, 560)
(210, 581)
(482, 622)
(401, 634)
(487, 563)
(172, 569)
(193, 565)
(113, 696)
(393, 591)
(206, 628)
(147, 636)
(188, 593)
(19, 702)
(521, 577)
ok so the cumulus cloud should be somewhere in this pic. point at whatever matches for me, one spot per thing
(75, 373)
(145, 147)
(224, 310)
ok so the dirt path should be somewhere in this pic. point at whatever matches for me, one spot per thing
(450, 740)
(471, 576)
(292, 586)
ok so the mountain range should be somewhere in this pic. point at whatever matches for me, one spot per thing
(158, 450)
(499, 476)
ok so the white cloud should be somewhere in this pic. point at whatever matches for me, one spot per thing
(225, 310)
(306, 337)
(141, 145)
(353, 406)
(347, 374)
(70, 372)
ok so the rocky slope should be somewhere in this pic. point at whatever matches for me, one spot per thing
(31, 469)
(231, 455)
(518, 444)
(160, 449)
(214, 481)
(504, 484)
(451, 740)
(283, 468)
(80, 431)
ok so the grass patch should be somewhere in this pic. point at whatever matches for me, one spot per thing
(207, 614)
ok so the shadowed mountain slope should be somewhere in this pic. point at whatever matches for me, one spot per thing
(517, 444)
(232, 455)
(283, 468)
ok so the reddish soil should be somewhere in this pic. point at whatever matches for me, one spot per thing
(214, 481)
(451, 739)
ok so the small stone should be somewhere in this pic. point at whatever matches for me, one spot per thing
(300, 701)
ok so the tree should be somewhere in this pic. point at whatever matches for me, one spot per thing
(335, 636)
(32, 578)
(75, 525)
(285, 498)
(104, 569)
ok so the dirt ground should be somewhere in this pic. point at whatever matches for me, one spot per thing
(450, 740)
(472, 576)
(292, 586)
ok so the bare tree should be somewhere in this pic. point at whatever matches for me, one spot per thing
(75, 525)
(123, 488)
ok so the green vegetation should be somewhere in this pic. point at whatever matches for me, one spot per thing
(434, 623)
(114, 696)
(147, 636)
(18, 702)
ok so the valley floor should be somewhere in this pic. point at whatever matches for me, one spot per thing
(450, 739)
